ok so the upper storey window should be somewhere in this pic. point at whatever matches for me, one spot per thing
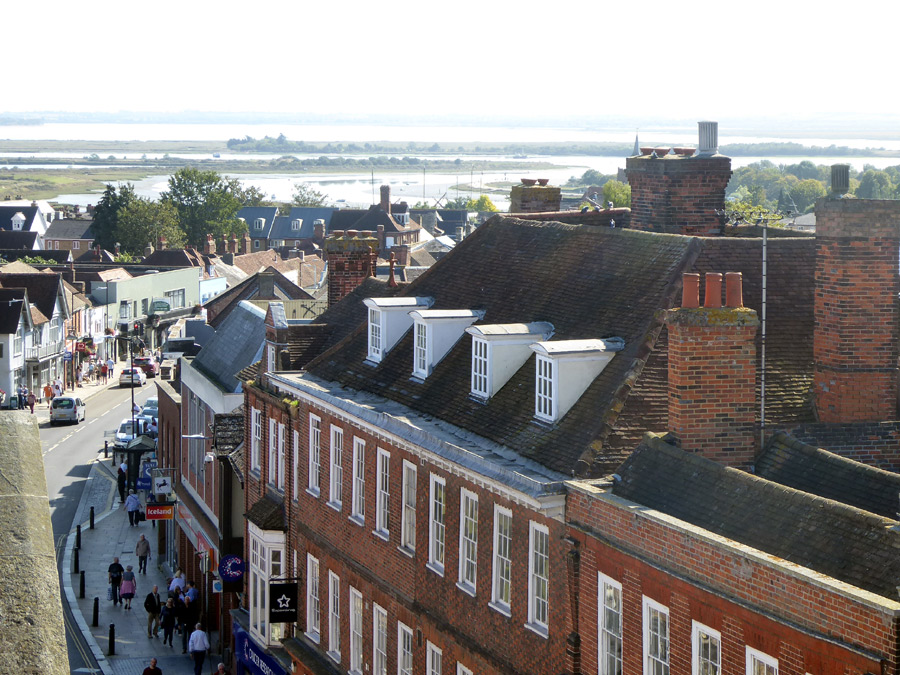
(436, 331)
(389, 320)
(499, 350)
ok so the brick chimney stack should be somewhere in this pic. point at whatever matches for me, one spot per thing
(209, 246)
(161, 244)
(349, 261)
(712, 372)
(386, 199)
(679, 192)
(855, 343)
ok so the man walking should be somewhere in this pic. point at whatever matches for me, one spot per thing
(133, 506)
(152, 669)
(110, 368)
(114, 574)
(152, 604)
(142, 551)
(198, 645)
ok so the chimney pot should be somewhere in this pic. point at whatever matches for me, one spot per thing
(709, 138)
(690, 290)
(734, 289)
(840, 179)
(713, 296)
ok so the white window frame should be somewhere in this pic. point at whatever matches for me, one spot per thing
(437, 524)
(754, 656)
(698, 659)
(538, 583)
(315, 454)
(462, 670)
(379, 640)
(356, 636)
(271, 458)
(255, 437)
(651, 608)
(295, 466)
(376, 335)
(313, 598)
(468, 541)
(267, 561)
(405, 648)
(358, 493)
(434, 662)
(334, 617)
(408, 498)
(546, 389)
(605, 636)
(383, 494)
(421, 344)
(501, 573)
(481, 386)
(336, 470)
(281, 442)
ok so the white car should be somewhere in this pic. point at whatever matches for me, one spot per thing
(131, 377)
(66, 409)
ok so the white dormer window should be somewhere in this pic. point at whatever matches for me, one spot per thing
(389, 320)
(436, 331)
(18, 221)
(295, 224)
(499, 350)
(564, 370)
(258, 223)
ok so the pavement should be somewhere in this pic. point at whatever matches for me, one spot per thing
(112, 536)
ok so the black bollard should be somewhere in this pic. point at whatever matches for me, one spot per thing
(95, 618)
(92, 518)
(75, 567)
(112, 639)
(78, 536)
(105, 449)
(81, 586)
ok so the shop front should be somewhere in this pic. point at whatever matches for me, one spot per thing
(249, 657)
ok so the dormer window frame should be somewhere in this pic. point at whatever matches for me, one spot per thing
(376, 334)
(259, 223)
(295, 224)
(421, 349)
(499, 351)
(429, 346)
(392, 316)
(481, 368)
(546, 387)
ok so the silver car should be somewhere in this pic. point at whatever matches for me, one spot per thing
(66, 409)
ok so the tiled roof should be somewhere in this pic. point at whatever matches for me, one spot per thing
(37, 316)
(249, 289)
(11, 302)
(832, 538)
(310, 214)
(419, 257)
(18, 240)
(91, 256)
(43, 289)
(8, 212)
(176, 257)
(237, 343)
(70, 228)
(789, 462)
(267, 514)
(588, 282)
(251, 213)
(228, 430)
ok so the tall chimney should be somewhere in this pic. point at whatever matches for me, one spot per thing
(209, 246)
(161, 243)
(349, 262)
(386, 198)
(712, 373)
(319, 231)
(855, 344)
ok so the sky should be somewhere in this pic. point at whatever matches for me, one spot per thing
(694, 60)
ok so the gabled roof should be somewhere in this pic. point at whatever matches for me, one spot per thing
(31, 213)
(250, 215)
(841, 541)
(249, 289)
(91, 256)
(267, 514)
(43, 290)
(18, 240)
(308, 271)
(237, 343)
(12, 303)
(177, 257)
(310, 214)
(70, 228)
(375, 216)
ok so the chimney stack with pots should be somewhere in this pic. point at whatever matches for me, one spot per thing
(386, 198)
(349, 261)
(209, 246)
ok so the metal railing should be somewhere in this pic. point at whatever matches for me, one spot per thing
(45, 351)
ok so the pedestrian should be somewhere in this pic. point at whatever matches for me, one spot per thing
(152, 669)
(103, 369)
(190, 616)
(90, 373)
(114, 574)
(120, 480)
(192, 591)
(48, 393)
(32, 399)
(133, 506)
(199, 643)
(129, 586)
(142, 551)
(110, 368)
(167, 618)
(177, 580)
(153, 606)
(57, 389)
(22, 392)
(221, 670)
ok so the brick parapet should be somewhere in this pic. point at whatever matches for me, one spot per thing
(752, 598)
(537, 198)
(872, 443)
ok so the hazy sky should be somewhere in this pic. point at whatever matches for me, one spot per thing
(683, 59)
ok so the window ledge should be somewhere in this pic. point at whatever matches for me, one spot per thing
(502, 609)
(407, 551)
(334, 656)
(434, 567)
(538, 629)
(314, 493)
(357, 520)
(335, 505)
(313, 636)
(370, 361)
(465, 588)
(382, 534)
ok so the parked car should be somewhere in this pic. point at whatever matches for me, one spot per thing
(151, 407)
(131, 377)
(148, 364)
(124, 433)
(66, 409)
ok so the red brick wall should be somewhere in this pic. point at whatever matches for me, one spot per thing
(679, 195)
(349, 262)
(712, 382)
(856, 309)
(809, 627)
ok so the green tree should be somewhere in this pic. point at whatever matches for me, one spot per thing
(143, 222)
(305, 195)
(483, 203)
(618, 193)
(206, 202)
(757, 195)
(106, 213)
(254, 196)
(806, 192)
(875, 184)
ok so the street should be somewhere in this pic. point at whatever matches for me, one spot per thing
(69, 451)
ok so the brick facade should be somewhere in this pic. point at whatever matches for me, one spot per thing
(678, 194)
(856, 310)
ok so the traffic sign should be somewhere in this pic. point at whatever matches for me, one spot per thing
(67, 356)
